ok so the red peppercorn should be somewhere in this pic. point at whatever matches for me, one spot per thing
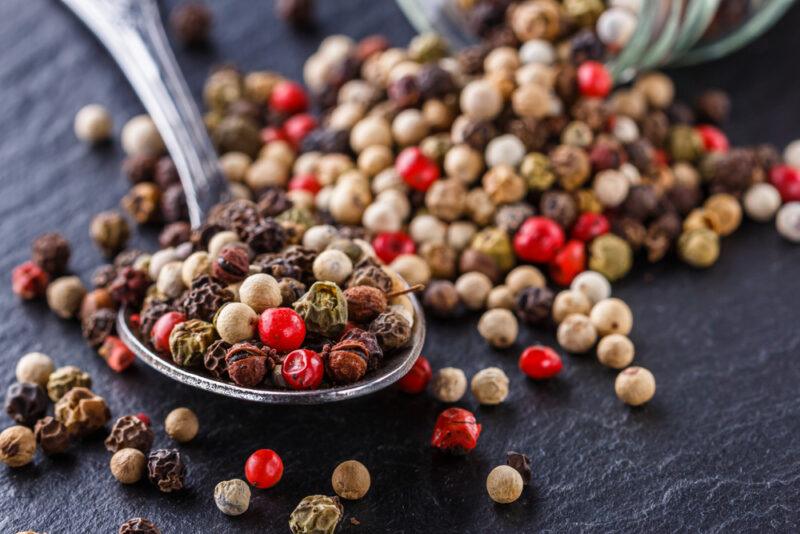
(660, 157)
(264, 468)
(159, 334)
(144, 418)
(298, 127)
(29, 281)
(538, 239)
(135, 320)
(389, 245)
(417, 169)
(540, 362)
(590, 225)
(569, 262)
(303, 369)
(271, 133)
(116, 354)
(713, 138)
(786, 180)
(305, 182)
(594, 79)
(417, 378)
(288, 97)
(456, 431)
(281, 329)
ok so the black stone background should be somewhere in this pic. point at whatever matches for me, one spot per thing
(716, 450)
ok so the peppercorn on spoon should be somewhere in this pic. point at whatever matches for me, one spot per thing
(132, 32)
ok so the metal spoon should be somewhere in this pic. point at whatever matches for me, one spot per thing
(132, 32)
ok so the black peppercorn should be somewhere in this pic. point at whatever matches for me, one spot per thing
(166, 470)
(631, 230)
(435, 82)
(733, 171)
(298, 13)
(370, 275)
(237, 134)
(477, 134)
(51, 435)
(291, 291)
(232, 264)
(585, 46)
(247, 364)
(103, 276)
(277, 267)
(214, 359)
(51, 252)
(25, 402)
(559, 206)
(130, 432)
(470, 59)
(531, 132)
(404, 92)
(521, 463)
(326, 140)
(237, 216)
(533, 304)
(272, 202)
(173, 204)
(138, 525)
(165, 173)
(174, 234)
(641, 203)
(475, 260)
(139, 168)
(129, 286)
(713, 106)
(127, 258)
(191, 22)
(204, 298)
(266, 236)
(98, 325)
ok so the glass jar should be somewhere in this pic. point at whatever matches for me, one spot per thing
(676, 32)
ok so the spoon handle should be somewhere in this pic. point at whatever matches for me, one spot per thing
(132, 32)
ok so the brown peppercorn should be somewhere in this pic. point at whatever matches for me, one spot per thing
(103, 276)
(165, 469)
(129, 432)
(298, 13)
(129, 287)
(247, 364)
(370, 342)
(346, 361)
(82, 412)
(441, 298)
(559, 206)
(181, 425)
(173, 205)
(571, 166)
(139, 168)
(350, 480)
(109, 230)
(364, 303)
(174, 234)
(98, 299)
(64, 296)
(214, 359)
(98, 326)
(127, 465)
(391, 329)
(191, 22)
(473, 260)
(534, 304)
(25, 402)
(441, 259)
(51, 252)
(17, 446)
(232, 264)
(370, 275)
(51, 435)
(291, 290)
(713, 106)
(138, 525)
(142, 202)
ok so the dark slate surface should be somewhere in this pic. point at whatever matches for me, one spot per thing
(715, 451)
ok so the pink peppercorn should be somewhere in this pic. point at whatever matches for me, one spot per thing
(116, 354)
(390, 245)
(590, 225)
(304, 182)
(594, 80)
(713, 138)
(159, 335)
(786, 180)
(288, 97)
(540, 362)
(568, 263)
(417, 378)
(538, 239)
(297, 127)
(29, 281)
(418, 171)
(456, 431)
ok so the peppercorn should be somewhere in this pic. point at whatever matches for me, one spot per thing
(714, 106)
(246, 364)
(449, 384)
(332, 266)
(17, 446)
(51, 435)
(391, 329)
(232, 497)
(761, 202)
(35, 368)
(728, 211)
(191, 22)
(25, 402)
(127, 465)
(165, 469)
(110, 232)
(473, 260)
(142, 202)
(82, 412)
(98, 326)
(51, 252)
(611, 256)
(291, 290)
(456, 431)
(504, 484)
(140, 137)
(316, 514)
(181, 425)
(116, 354)
(346, 361)
(635, 386)
(235, 322)
(612, 316)
(64, 296)
(787, 221)
(473, 288)
(699, 247)
(29, 281)
(615, 351)
(534, 304)
(129, 432)
(231, 265)
(64, 379)
(499, 327)
(364, 303)
(264, 468)
(129, 286)
(568, 302)
(139, 525)
(350, 480)
(214, 359)
(576, 333)
(323, 309)
(592, 284)
(441, 298)
(490, 386)
(189, 340)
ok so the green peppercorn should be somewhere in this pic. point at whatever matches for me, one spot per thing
(699, 247)
(610, 256)
(537, 172)
(316, 514)
(427, 47)
(495, 243)
(64, 379)
(189, 340)
(324, 309)
(685, 144)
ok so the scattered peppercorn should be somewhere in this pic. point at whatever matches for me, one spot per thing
(264, 468)
(316, 514)
(490, 386)
(139, 525)
(25, 403)
(128, 465)
(635, 386)
(191, 22)
(350, 480)
(130, 432)
(181, 425)
(166, 470)
(17, 446)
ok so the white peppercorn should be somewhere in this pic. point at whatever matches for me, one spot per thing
(576, 333)
(234, 165)
(235, 322)
(266, 172)
(460, 234)
(427, 229)
(64, 296)
(480, 100)
(371, 130)
(761, 202)
(34, 368)
(615, 26)
(127, 465)
(319, 236)
(232, 497)
(140, 137)
(791, 154)
(412, 268)
(181, 425)
(505, 150)
(504, 484)
(592, 284)
(93, 123)
(332, 266)
(473, 288)
(409, 127)
(348, 201)
(615, 351)
(463, 163)
(501, 297)
(523, 277)
(260, 291)
(170, 281)
(351, 480)
(788, 221)
(490, 386)
(381, 217)
(537, 51)
(197, 264)
(499, 327)
(570, 301)
(449, 384)
(159, 259)
(610, 188)
(612, 316)
(635, 386)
